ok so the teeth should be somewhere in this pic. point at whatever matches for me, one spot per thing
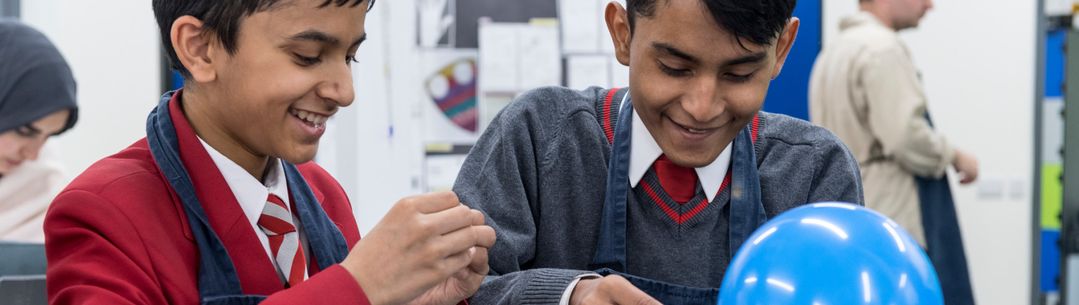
(312, 118)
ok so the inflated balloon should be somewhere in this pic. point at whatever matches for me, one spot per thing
(830, 254)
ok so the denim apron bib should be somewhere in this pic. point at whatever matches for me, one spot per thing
(218, 282)
(943, 240)
(746, 210)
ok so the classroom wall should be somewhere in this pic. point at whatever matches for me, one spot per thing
(977, 60)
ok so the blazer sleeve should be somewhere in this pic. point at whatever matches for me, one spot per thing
(94, 256)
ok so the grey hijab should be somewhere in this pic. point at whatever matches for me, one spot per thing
(35, 81)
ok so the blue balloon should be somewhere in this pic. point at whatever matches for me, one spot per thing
(830, 254)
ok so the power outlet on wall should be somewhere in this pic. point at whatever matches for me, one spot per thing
(1001, 188)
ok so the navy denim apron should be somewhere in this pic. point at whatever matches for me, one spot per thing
(943, 240)
(746, 210)
(218, 282)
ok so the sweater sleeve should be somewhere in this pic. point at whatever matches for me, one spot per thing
(500, 178)
(837, 178)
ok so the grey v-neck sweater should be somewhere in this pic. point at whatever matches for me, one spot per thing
(539, 173)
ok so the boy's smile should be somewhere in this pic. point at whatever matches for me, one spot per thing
(312, 122)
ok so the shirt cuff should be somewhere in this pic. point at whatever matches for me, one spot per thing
(569, 290)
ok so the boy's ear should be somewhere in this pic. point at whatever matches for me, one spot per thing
(784, 43)
(195, 48)
(618, 27)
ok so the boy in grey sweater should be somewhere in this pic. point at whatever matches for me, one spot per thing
(643, 194)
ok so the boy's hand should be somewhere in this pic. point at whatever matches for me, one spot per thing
(611, 289)
(421, 242)
(465, 282)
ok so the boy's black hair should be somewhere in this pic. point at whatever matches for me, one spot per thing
(221, 17)
(758, 21)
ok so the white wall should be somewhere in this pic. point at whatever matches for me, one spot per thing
(113, 49)
(977, 60)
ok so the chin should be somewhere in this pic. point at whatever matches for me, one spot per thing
(693, 158)
(303, 155)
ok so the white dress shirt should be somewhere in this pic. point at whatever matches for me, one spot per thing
(251, 194)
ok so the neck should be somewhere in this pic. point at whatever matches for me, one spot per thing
(878, 12)
(197, 108)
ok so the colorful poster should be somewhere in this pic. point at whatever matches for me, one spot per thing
(453, 89)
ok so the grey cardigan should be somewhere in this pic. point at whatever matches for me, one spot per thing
(538, 174)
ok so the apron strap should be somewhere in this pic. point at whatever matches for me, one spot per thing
(216, 274)
(611, 245)
(324, 239)
(943, 237)
(746, 207)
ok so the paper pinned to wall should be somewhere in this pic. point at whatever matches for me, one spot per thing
(583, 71)
(519, 56)
(579, 18)
(498, 56)
(539, 61)
(442, 162)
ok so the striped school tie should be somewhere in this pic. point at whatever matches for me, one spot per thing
(276, 222)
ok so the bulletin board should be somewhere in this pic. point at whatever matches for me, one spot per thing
(455, 23)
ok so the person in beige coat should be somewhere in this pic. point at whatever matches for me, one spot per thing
(866, 89)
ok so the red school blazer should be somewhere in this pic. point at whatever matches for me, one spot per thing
(118, 234)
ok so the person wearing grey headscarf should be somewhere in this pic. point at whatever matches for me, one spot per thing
(37, 101)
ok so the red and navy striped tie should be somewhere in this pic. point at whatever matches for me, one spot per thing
(276, 222)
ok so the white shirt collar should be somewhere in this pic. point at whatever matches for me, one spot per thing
(250, 192)
(644, 151)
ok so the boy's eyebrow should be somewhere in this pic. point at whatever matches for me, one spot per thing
(322, 37)
(747, 59)
(671, 50)
(316, 36)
